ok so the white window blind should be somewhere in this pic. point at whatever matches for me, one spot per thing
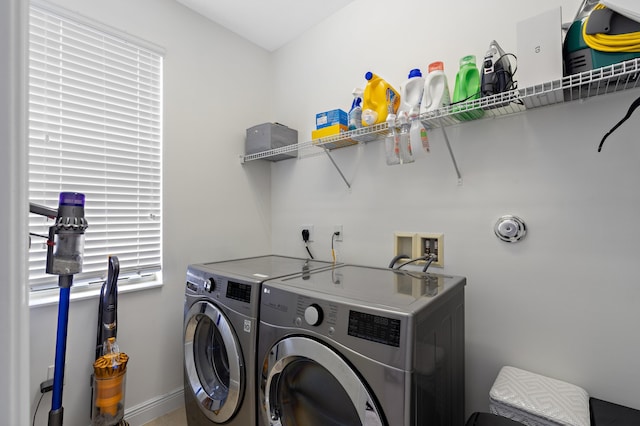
(95, 127)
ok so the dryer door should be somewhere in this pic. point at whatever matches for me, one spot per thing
(213, 361)
(309, 384)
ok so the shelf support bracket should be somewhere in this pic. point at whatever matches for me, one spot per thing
(336, 166)
(453, 157)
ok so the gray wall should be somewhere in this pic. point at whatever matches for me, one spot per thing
(563, 301)
(215, 86)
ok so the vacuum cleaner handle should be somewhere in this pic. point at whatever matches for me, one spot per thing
(110, 299)
(108, 306)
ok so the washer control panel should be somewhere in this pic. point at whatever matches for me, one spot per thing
(209, 285)
(236, 294)
(377, 328)
(379, 333)
(313, 314)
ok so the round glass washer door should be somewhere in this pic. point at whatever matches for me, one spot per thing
(309, 384)
(213, 362)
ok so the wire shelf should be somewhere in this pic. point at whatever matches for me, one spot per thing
(487, 107)
(610, 79)
(318, 146)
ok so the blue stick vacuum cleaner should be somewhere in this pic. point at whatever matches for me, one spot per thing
(65, 245)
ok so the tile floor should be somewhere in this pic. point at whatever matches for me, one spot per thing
(174, 418)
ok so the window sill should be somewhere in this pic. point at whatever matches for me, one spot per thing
(51, 297)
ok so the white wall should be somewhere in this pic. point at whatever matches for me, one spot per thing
(560, 303)
(215, 86)
(563, 302)
(14, 313)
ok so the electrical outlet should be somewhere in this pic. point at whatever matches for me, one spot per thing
(51, 373)
(337, 228)
(308, 228)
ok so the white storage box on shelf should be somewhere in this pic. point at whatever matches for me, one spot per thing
(534, 400)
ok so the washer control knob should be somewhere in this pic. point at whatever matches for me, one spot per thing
(209, 285)
(313, 315)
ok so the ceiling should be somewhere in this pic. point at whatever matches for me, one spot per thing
(268, 23)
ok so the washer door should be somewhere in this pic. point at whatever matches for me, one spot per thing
(309, 384)
(213, 362)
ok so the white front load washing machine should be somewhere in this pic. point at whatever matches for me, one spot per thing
(220, 332)
(356, 345)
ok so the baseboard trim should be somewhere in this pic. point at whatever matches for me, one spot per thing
(155, 407)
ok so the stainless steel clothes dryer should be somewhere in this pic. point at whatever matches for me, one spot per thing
(220, 332)
(366, 346)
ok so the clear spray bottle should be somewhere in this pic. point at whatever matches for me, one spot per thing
(355, 116)
(355, 113)
(392, 142)
(403, 138)
(418, 140)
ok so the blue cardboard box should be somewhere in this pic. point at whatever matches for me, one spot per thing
(330, 118)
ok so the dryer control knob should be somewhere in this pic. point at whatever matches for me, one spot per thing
(209, 285)
(313, 315)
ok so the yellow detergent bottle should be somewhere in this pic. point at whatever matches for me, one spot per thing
(379, 100)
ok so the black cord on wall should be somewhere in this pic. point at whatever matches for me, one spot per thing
(632, 108)
(333, 252)
(305, 238)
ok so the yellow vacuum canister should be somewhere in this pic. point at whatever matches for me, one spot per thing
(108, 386)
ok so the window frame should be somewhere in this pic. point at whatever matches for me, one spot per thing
(43, 294)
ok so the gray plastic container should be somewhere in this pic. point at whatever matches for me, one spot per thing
(266, 136)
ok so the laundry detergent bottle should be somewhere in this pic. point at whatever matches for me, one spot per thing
(379, 99)
(436, 89)
(411, 93)
(467, 88)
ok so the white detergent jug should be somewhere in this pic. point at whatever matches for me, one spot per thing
(436, 89)
(411, 92)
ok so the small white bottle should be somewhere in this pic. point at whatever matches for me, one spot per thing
(436, 89)
(411, 91)
(403, 139)
(392, 142)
